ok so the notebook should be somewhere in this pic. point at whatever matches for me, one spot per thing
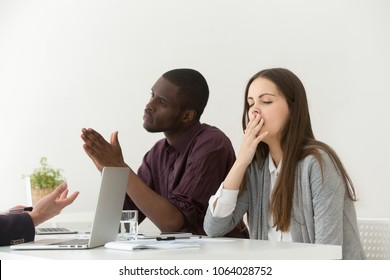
(107, 215)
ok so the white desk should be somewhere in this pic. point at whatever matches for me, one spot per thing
(209, 249)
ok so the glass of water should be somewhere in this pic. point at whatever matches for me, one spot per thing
(128, 229)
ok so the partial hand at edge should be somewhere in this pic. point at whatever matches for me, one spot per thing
(52, 204)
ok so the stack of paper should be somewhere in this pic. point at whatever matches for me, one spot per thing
(151, 244)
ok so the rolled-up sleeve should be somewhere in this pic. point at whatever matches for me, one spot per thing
(206, 168)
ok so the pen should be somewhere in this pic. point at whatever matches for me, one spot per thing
(170, 238)
(30, 208)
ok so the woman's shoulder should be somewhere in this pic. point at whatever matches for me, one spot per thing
(319, 158)
(318, 152)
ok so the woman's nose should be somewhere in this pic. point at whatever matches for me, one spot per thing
(254, 110)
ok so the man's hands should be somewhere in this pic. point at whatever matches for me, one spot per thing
(157, 208)
(100, 151)
(52, 204)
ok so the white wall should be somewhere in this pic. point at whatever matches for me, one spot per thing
(65, 65)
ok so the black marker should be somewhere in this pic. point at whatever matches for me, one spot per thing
(30, 208)
(170, 238)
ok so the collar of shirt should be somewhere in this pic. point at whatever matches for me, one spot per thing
(181, 143)
(273, 170)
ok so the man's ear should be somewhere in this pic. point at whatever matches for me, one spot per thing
(189, 116)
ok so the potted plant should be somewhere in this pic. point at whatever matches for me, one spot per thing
(44, 179)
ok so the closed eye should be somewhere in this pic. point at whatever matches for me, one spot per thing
(250, 102)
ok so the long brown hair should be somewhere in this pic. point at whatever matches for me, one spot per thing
(297, 142)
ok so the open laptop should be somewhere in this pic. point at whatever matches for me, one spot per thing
(107, 215)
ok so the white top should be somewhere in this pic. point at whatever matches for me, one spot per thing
(227, 202)
(274, 234)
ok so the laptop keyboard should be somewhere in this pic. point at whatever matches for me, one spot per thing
(53, 230)
(72, 242)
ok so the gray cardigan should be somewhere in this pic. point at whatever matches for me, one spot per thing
(322, 213)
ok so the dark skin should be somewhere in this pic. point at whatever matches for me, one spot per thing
(164, 114)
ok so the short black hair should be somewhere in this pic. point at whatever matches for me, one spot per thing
(194, 91)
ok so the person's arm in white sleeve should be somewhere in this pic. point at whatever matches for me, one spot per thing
(222, 204)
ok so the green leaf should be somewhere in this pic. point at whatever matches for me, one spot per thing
(45, 176)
